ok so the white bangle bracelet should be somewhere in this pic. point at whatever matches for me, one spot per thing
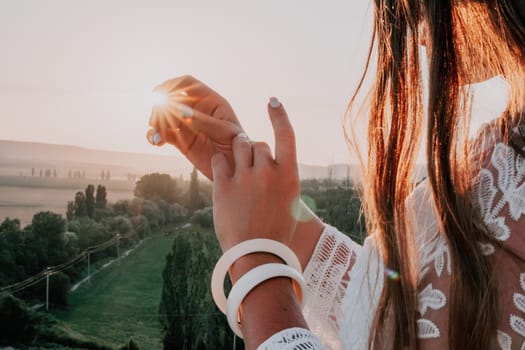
(244, 248)
(252, 279)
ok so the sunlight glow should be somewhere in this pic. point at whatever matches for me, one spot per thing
(300, 211)
(159, 98)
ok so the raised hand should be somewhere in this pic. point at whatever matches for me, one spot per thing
(258, 197)
(201, 123)
(259, 200)
(196, 120)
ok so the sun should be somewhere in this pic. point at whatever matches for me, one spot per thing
(159, 98)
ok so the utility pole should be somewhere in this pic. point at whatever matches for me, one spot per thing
(47, 289)
(89, 266)
(118, 246)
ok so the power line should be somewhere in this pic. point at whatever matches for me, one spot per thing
(50, 270)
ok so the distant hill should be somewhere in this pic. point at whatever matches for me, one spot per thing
(19, 158)
(334, 171)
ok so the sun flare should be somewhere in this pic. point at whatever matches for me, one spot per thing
(159, 98)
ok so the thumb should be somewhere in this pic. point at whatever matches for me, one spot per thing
(220, 167)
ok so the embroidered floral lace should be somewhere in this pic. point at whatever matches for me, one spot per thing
(345, 280)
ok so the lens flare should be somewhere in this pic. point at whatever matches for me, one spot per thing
(159, 98)
(392, 274)
(300, 211)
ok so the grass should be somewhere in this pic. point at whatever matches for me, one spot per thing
(122, 301)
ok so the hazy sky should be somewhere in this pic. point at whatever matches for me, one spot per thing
(80, 72)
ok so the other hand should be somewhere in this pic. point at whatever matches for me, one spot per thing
(196, 120)
(258, 197)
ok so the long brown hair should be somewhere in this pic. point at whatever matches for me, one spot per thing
(456, 30)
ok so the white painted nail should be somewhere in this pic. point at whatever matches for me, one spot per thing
(156, 139)
(274, 102)
(184, 110)
(151, 132)
(243, 137)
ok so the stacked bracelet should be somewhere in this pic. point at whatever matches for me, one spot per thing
(252, 279)
(244, 248)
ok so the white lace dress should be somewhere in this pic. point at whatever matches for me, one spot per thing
(345, 279)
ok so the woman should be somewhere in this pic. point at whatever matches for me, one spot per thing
(444, 264)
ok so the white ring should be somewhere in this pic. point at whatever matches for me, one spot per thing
(252, 279)
(244, 248)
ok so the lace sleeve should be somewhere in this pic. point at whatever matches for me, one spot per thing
(292, 339)
(326, 278)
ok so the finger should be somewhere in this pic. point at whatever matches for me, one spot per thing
(180, 126)
(217, 107)
(171, 136)
(242, 152)
(158, 134)
(220, 168)
(285, 151)
(262, 154)
(183, 139)
(165, 121)
(217, 130)
(163, 126)
(187, 85)
(153, 137)
(173, 123)
(153, 117)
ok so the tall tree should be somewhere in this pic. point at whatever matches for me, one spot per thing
(188, 316)
(100, 198)
(80, 205)
(50, 228)
(193, 199)
(90, 200)
(157, 185)
(70, 213)
(11, 252)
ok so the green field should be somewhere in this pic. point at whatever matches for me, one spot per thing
(121, 302)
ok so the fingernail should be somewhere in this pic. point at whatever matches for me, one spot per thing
(155, 138)
(151, 132)
(184, 110)
(243, 137)
(274, 102)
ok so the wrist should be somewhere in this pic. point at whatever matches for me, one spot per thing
(263, 272)
(268, 309)
(250, 261)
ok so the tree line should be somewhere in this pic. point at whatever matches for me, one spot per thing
(71, 174)
(160, 203)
